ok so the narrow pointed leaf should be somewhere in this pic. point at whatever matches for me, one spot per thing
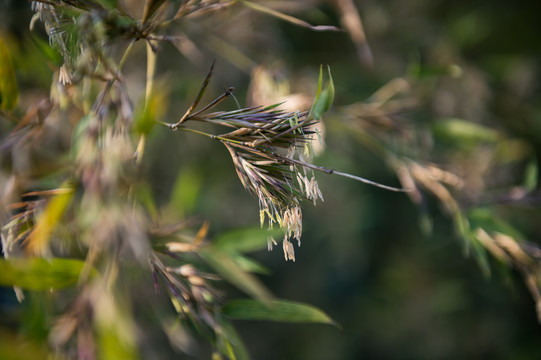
(276, 310)
(531, 175)
(199, 94)
(147, 113)
(323, 101)
(288, 18)
(9, 92)
(489, 221)
(226, 267)
(229, 341)
(480, 255)
(463, 132)
(249, 265)
(40, 274)
(318, 92)
(38, 240)
(115, 329)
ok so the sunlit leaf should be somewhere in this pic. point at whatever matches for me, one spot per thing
(464, 132)
(226, 267)
(39, 273)
(9, 91)
(288, 18)
(323, 101)
(319, 86)
(146, 114)
(48, 220)
(276, 310)
(115, 330)
(111, 347)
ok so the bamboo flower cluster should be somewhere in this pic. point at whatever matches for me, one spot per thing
(265, 144)
(271, 152)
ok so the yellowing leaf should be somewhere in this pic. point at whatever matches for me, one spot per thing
(39, 237)
(40, 274)
(8, 84)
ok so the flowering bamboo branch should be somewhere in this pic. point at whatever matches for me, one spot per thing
(256, 144)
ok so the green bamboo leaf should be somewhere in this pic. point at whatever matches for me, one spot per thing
(250, 265)
(43, 47)
(531, 175)
(245, 240)
(323, 100)
(273, 106)
(15, 346)
(486, 219)
(330, 90)
(480, 255)
(462, 226)
(9, 91)
(115, 328)
(225, 265)
(319, 86)
(464, 132)
(229, 342)
(151, 110)
(113, 346)
(276, 310)
(185, 191)
(143, 193)
(39, 273)
(38, 239)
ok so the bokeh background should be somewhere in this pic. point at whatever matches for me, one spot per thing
(392, 273)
